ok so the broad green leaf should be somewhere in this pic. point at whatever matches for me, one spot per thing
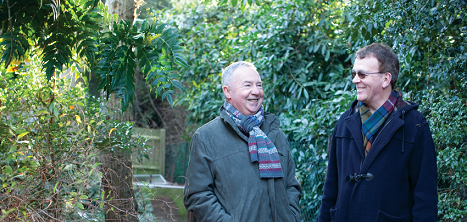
(178, 85)
(7, 170)
(80, 205)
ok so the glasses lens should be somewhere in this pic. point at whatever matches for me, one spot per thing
(361, 75)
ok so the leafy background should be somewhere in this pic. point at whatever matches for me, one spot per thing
(304, 52)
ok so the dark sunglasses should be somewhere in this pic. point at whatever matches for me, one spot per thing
(362, 75)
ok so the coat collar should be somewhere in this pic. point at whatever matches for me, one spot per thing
(384, 136)
(354, 124)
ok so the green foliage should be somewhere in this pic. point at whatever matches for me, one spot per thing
(310, 133)
(448, 123)
(50, 143)
(50, 137)
(293, 44)
(428, 36)
(152, 46)
(44, 144)
(203, 28)
(303, 63)
(303, 52)
(80, 33)
(243, 3)
(51, 25)
(297, 52)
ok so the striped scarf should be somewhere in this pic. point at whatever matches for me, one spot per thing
(371, 123)
(260, 147)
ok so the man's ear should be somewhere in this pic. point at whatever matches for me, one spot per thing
(387, 80)
(226, 91)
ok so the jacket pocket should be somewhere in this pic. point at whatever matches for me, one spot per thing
(333, 213)
(384, 217)
(295, 215)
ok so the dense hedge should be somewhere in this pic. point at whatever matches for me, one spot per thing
(303, 51)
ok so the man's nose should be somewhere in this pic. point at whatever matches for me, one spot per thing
(255, 90)
(356, 79)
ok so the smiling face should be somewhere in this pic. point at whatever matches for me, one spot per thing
(374, 89)
(245, 90)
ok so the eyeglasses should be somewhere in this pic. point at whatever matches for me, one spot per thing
(362, 75)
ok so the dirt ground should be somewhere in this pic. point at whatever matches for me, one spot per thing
(165, 210)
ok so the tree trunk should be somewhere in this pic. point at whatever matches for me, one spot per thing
(125, 9)
(118, 176)
(118, 187)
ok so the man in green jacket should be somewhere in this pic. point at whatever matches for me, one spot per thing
(240, 166)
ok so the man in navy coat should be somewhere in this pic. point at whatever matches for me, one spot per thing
(382, 160)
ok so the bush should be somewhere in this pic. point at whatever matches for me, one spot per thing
(310, 133)
(51, 139)
(447, 115)
(49, 165)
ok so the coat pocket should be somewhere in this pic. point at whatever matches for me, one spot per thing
(333, 212)
(384, 217)
(295, 216)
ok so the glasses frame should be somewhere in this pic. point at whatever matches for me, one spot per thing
(360, 74)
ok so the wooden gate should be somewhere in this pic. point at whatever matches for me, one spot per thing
(156, 162)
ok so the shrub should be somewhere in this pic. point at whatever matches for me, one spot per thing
(51, 138)
(310, 133)
(447, 115)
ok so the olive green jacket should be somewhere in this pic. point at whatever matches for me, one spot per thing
(223, 185)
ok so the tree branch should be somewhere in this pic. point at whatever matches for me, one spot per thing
(155, 109)
(11, 33)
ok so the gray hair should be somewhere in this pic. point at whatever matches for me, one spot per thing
(227, 73)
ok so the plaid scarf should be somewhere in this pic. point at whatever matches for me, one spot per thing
(261, 148)
(371, 123)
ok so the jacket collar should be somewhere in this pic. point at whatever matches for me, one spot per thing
(354, 125)
(392, 124)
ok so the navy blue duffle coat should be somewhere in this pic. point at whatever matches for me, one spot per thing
(397, 181)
